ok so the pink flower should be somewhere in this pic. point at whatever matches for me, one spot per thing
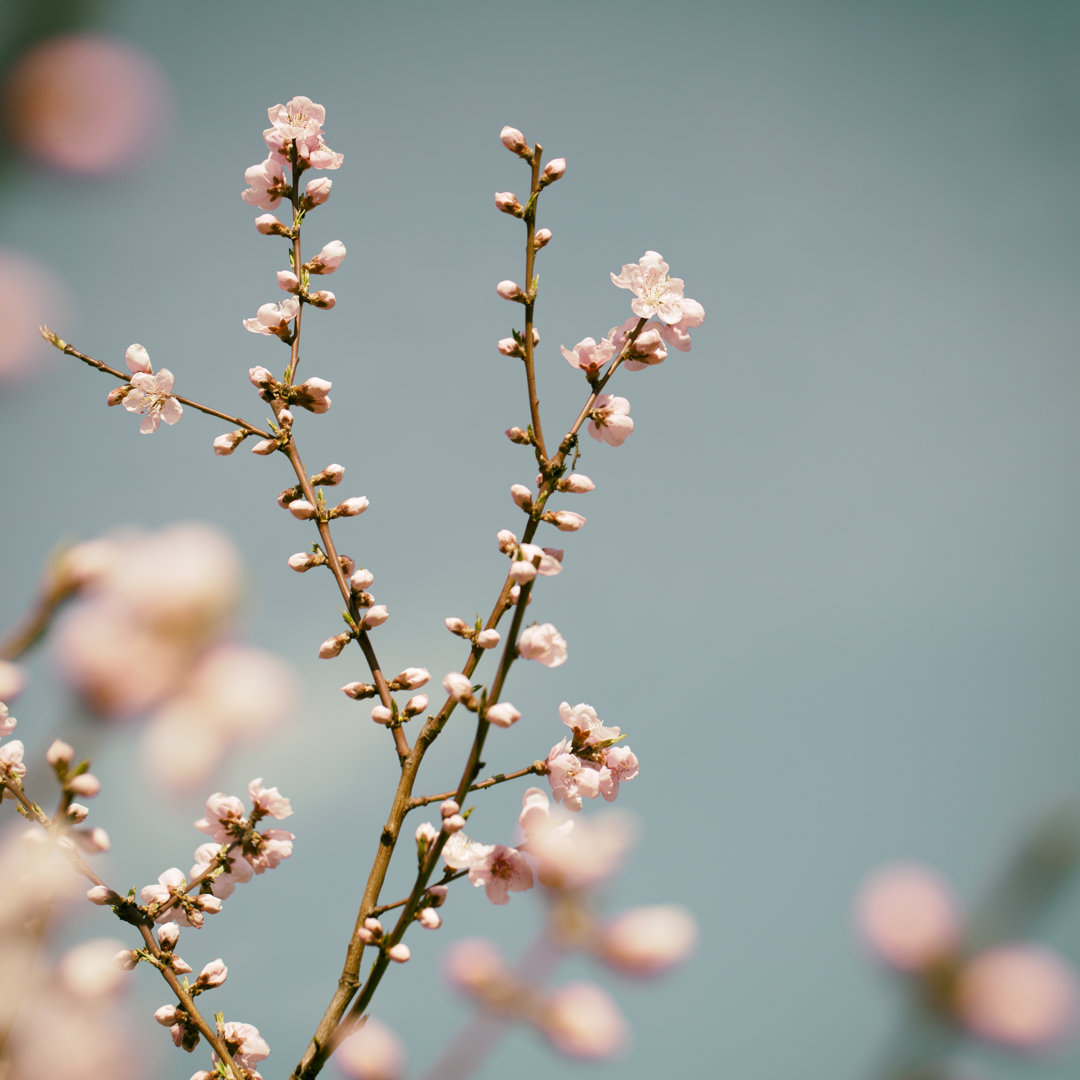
(245, 1044)
(543, 643)
(678, 334)
(7, 726)
(579, 854)
(269, 800)
(298, 118)
(907, 915)
(588, 355)
(647, 941)
(328, 260)
(501, 870)
(11, 760)
(274, 318)
(582, 1021)
(610, 420)
(655, 293)
(571, 778)
(137, 360)
(150, 396)
(1022, 996)
(266, 185)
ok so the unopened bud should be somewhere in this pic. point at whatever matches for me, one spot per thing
(457, 626)
(358, 690)
(265, 446)
(566, 520)
(213, 974)
(350, 507)
(487, 639)
(303, 561)
(381, 714)
(508, 346)
(411, 679)
(227, 443)
(330, 476)
(519, 436)
(522, 496)
(514, 141)
(59, 753)
(328, 260)
(288, 281)
(316, 192)
(510, 290)
(332, 647)
(117, 394)
(458, 686)
(416, 705)
(78, 813)
(102, 895)
(399, 953)
(553, 171)
(302, 509)
(429, 918)
(575, 483)
(507, 202)
(324, 298)
(374, 616)
(542, 238)
(502, 714)
(269, 225)
(361, 580)
(85, 785)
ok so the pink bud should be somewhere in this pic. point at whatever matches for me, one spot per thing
(260, 377)
(102, 895)
(399, 953)
(487, 639)
(457, 626)
(502, 714)
(458, 686)
(117, 394)
(565, 520)
(288, 281)
(576, 484)
(361, 580)
(269, 225)
(94, 841)
(86, 785)
(358, 690)
(302, 509)
(331, 475)
(507, 202)
(510, 290)
(449, 807)
(522, 571)
(507, 541)
(227, 443)
(328, 260)
(137, 360)
(127, 959)
(416, 704)
(350, 507)
(429, 918)
(213, 974)
(514, 141)
(316, 192)
(381, 714)
(324, 298)
(542, 238)
(304, 560)
(454, 823)
(375, 616)
(521, 495)
(582, 1021)
(374, 1052)
(166, 1016)
(332, 647)
(553, 171)
(518, 435)
(265, 446)
(411, 678)
(77, 812)
(59, 753)
(509, 347)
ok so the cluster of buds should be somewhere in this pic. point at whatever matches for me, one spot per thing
(372, 933)
(475, 634)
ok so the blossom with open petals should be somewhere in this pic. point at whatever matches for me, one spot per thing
(609, 420)
(589, 355)
(274, 318)
(266, 185)
(655, 294)
(149, 395)
(543, 643)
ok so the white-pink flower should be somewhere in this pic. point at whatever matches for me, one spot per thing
(269, 800)
(543, 643)
(655, 293)
(609, 420)
(150, 395)
(298, 117)
(273, 318)
(589, 355)
(266, 185)
(501, 870)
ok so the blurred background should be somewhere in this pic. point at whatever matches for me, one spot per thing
(829, 587)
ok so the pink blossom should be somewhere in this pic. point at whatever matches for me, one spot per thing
(655, 293)
(266, 185)
(501, 870)
(647, 941)
(11, 760)
(564, 520)
(582, 1021)
(150, 395)
(571, 778)
(269, 800)
(273, 847)
(312, 395)
(543, 643)
(236, 871)
(907, 915)
(579, 854)
(224, 818)
(609, 420)
(288, 281)
(588, 355)
(678, 334)
(328, 260)
(620, 764)
(297, 118)
(7, 726)
(274, 318)
(372, 1053)
(171, 884)
(245, 1044)
(316, 192)
(12, 680)
(1023, 996)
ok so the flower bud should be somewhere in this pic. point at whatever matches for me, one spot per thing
(330, 476)
(213, 974)
(458, 686)
(168, 935)
(399, 953)
(302, 509)
(522, 571)
(127, 959)
(507, 202)
(265, 446)
(350, 507)
(361, 580)
(59, 753)
(269, 225)
(487, 639)
(303, 561)
(78, 813)
(502, 714)
(102, 895)
(137, 360)
(519, 436)
(117, 394)
(381, 714)
(514, 141)
(316, 192)
(553, 171)
(457, 626)
(411, 679)
(261, 378)
(575, 483)
(328, 260)
(374, 616)
(358, 690)
(324, 298)
(542, 238)
(508, 346)
(429, 918)
(332, 647)
(227, 443)
(416, 705)
(288, 281)
(522, 496)
(510, 290)
(86, 785)
(565, 520)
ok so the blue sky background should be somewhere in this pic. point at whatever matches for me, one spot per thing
(829, 587)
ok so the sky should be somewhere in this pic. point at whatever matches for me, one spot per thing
(828, 587)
